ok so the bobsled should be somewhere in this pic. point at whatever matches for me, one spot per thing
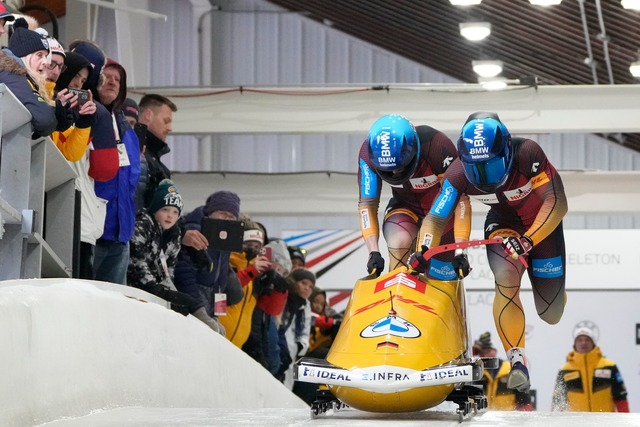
(403, 346)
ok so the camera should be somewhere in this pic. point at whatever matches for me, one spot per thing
(83, 96)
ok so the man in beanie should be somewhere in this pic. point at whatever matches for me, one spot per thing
(154, 251)
(494, 381)
(206, 274)
(589, 382)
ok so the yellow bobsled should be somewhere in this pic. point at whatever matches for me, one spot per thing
(403, 346)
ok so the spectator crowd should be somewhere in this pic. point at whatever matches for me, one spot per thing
(133, 230)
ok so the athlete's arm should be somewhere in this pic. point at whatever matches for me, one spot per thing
(548, 187)
(434, 223)
(369, 188)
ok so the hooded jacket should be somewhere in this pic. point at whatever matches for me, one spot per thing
(120, 191)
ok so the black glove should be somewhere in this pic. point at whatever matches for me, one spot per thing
(180, 302)
(85, 121)
(375, 265)
(417, 263)
(280, 283)
(64, 116)
(461, 266)
(517, 246)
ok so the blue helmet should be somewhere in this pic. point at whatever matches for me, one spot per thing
(486, 151)
(394, 148)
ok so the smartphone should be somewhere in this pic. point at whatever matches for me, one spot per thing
(83, 96)
(266, 252)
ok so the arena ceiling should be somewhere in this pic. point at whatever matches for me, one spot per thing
(555, 44)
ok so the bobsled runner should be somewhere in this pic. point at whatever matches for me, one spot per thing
(403, 346)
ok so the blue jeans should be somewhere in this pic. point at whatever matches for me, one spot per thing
(110, 261)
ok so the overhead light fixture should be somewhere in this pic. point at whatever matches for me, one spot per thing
(493, 83)
(475, 31)
(631, 4)
(487, 68)
(634, 69)
(465, 2)
(545, 3)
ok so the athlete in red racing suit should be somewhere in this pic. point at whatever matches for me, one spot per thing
(419, 157)
(526, 202)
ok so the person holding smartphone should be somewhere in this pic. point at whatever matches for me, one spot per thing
(74, 144)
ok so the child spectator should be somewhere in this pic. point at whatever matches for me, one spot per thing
(154, 250)
(295, 322)
(298, 257)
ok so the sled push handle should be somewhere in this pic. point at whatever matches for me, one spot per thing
(464, 245)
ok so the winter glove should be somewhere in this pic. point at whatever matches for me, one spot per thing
(461, 266)
(85, 121)
(417, 263)
(517, 246)
(375, 265)
(280, 283)
(64, 116)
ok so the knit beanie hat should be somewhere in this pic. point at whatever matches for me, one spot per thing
(222, 201)
(74, 63)
(166, 195)
(130, 109)
(301, 274)
(484, 342)
(586, 332)
(253, 233)
(296, 252)
(56, 47)
(23, 41)
(280, 254)
(96, 58)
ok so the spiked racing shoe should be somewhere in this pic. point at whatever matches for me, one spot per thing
(518, 378)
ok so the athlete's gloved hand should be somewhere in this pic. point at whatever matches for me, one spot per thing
(517, 246)
(375, 265)
(461, 266)
(417, 263)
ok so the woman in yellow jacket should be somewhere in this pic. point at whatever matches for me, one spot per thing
(589, 382)
(256, 273)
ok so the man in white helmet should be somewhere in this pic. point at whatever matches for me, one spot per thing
(589, 382)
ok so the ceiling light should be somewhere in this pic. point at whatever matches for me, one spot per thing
(631, 4)
(545, 3)
(487, 68)
(493, 83)
(634, 69)
(465, 2)
(475, 31)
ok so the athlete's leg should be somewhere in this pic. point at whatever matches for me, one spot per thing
(400, 228)
(547, 275)
(508, 313)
